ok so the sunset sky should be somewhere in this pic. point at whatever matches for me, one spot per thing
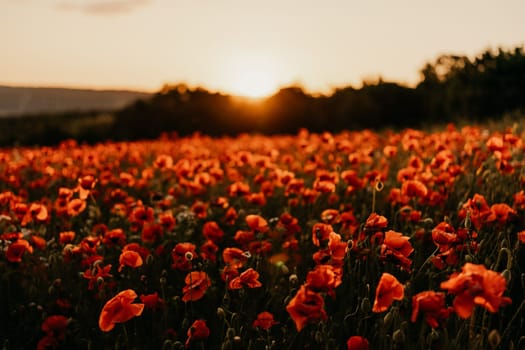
(242, 47)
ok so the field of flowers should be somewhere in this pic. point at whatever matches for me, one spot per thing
(392, 240)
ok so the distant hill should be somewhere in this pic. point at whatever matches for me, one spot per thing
(18, 101)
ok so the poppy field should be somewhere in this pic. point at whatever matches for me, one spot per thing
(357, 240)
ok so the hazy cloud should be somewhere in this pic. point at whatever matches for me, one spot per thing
(102, 7)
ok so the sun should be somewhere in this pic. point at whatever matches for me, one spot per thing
(254, 78)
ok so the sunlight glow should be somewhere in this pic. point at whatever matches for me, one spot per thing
(254, 77)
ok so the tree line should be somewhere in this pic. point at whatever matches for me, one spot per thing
(451, 88)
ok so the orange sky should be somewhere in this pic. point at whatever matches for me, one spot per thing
(241, 46)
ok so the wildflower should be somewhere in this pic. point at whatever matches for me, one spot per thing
(321, 233)
(152, 301)
(17, 249)
(249, 278)
(375, 222)
(55, 326)
(119, 309)
(357, 342)
(151, 232)
(414, 188)
(234, 257)
(212, 231)
(397, 246)
(66, 237)
(444, 236)
(197, 331)
(388, 290)
(257, 223)
(330, 216)
(129, 258)
(75, 207)
(196, 284)
(114, 237)
(94, 277)
(500, 213)
(432, 305)
(178, 255)
(306, 307)
(209, 251)
(476, 285)
(35, 213)
(323, 279)
(85, 185)
(264, 321)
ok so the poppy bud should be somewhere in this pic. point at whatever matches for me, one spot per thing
(432, 337)
(188, 256)
(100, 280)
(149, 259)
(365, 305)
(162, 280)
(293, 279)
(230, 333)
(468, 258)
(168, 344)
(494, 338)
(220, 312)
(398, 337)
(388, 319)
(507, 275)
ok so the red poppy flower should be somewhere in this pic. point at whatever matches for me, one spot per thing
(17, 249)
(209, 251)
(264, 321)
(414, 188)
(397, 243)
(196, 284)
(375, 222)
(257, 223)
(85, 185)
(500, 213)
(152, 301)
(75, 207)
(119, 309)
(323, 279)
(357, 342)
(234, 257)
(35, 213)
(197, 331)
(151, 232)
(432, 305)
(55, 326)
(321, 233)
(476, 285)
(182, 255)
(388, 290)
(114, 237)
(230, 216)
(306, 307)
(249, 279)
(94, 276)
(443, 236)
(129, 258)
(212, 231)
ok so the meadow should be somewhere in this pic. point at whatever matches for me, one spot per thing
(352, 240)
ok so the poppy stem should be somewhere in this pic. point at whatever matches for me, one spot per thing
(126, 339)
(471, 333)
(518, 311)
